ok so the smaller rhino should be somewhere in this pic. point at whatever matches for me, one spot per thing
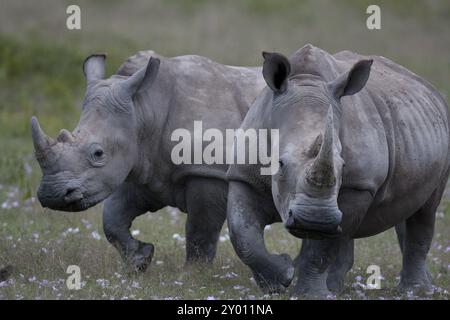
(120, 150)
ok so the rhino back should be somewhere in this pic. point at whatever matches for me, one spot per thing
(187, 89)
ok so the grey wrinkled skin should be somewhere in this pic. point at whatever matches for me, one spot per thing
(121, 148)
(364, 146)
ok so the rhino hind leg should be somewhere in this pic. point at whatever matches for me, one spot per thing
(119, 211)
(206, 201)
(246, 221)
(400, 230)
(417, 238)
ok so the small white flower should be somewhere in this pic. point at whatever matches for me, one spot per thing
(102, 283)
(95, 235)
(28, 169)
(178, 238)
(86, 223)
(135, 232)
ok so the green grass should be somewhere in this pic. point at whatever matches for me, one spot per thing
(41, 74)
(40, 247)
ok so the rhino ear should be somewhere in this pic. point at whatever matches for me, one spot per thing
(352, 81)
(276, 70)
(142, 78)
(94, 67)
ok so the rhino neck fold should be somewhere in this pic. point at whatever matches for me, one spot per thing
(151, 117)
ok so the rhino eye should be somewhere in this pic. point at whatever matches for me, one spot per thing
(96, 154)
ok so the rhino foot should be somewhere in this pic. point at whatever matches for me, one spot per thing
(138, 260)
(311, 293)
(335, 284)
(311, 286)
(418, 282)
(315, 290)
(278, 277)
(417, 286)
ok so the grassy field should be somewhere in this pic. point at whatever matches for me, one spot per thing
(40, 74)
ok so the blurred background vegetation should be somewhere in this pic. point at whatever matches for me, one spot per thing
(41, 61)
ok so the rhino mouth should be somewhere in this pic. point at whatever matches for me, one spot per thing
(313, 231)
(315, 234)
(78, 205)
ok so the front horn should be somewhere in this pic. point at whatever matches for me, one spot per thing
(40, 140)
(321, 173)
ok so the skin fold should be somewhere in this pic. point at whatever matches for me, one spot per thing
(120, 150)
(363, 145)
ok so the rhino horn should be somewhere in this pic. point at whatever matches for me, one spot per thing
(40, 140)
(64, 136)
(321, 173)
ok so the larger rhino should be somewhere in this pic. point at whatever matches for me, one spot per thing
(363, 145)
(121, 148)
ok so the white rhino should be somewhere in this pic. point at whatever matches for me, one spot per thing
(364, 146)
(121, 148)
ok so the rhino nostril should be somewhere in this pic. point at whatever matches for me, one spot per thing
(290, 222)
(69, 191)
(73, 194)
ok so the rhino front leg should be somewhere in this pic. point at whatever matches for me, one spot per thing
(353, 203)
(246, 222)
(339, 268)
(206, 203)
(119, 211)
(341, 265)
(419, 230)
(315, 258)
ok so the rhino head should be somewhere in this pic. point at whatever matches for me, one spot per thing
(83, 167)
(306, 186)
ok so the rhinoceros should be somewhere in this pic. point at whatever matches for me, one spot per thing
(121, 148)
(363, 146)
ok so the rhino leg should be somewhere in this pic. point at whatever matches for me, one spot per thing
(315, 258)
(342, 265)
(400, 230)
(339, 268)
(419, 230)
(119, 211)
(246, 222)
(206, 203)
